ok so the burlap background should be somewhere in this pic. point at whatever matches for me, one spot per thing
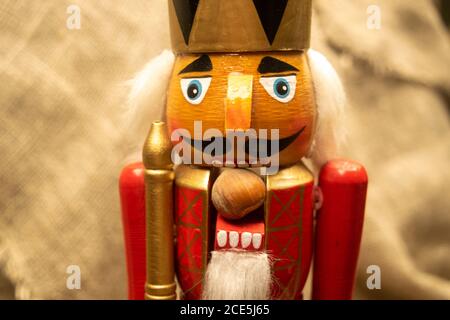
(61, 99)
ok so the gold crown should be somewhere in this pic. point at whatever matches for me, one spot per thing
(239, 25)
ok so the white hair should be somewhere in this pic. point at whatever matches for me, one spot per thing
(238, 275)
(330, 102)
(149, 90)
(147, 99)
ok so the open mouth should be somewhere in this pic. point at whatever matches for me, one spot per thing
(247, 233)
(252, 147)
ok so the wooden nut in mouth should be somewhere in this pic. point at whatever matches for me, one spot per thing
(237, 192)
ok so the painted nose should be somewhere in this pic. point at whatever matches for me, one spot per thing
(238, 104)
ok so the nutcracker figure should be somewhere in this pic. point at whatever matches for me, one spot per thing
(222, 205)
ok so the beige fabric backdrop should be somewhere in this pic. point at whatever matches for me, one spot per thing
(61, 99)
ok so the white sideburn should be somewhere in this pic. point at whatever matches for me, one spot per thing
(238, 275)
(330, 100)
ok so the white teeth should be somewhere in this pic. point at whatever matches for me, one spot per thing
(256, 241)
(246, 239)
(222, 238)
(234, 239)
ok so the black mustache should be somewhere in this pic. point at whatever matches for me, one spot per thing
(201, 145)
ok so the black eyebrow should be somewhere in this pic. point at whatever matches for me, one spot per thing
(272, 65)
(202, 64)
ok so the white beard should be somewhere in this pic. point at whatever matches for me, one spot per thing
(238, 275)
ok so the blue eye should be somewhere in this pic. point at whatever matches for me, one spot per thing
(194, 90)
(281, 88)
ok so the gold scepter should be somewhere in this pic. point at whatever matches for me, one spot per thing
(159, 177)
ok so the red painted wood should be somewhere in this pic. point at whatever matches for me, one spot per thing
(338, 229)
(289, 239)
(192, 245)
(132, 197)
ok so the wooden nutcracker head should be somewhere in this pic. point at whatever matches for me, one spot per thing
(238, 92)
(243, 64)
(239, 72)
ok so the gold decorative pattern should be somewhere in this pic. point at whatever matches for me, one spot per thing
(295, 176)
(197, 179)
(235, 26)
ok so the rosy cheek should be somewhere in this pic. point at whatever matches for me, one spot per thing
(173, 124)
(295, 124)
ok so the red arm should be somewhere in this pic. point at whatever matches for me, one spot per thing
(132, 197)
(338, 229)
